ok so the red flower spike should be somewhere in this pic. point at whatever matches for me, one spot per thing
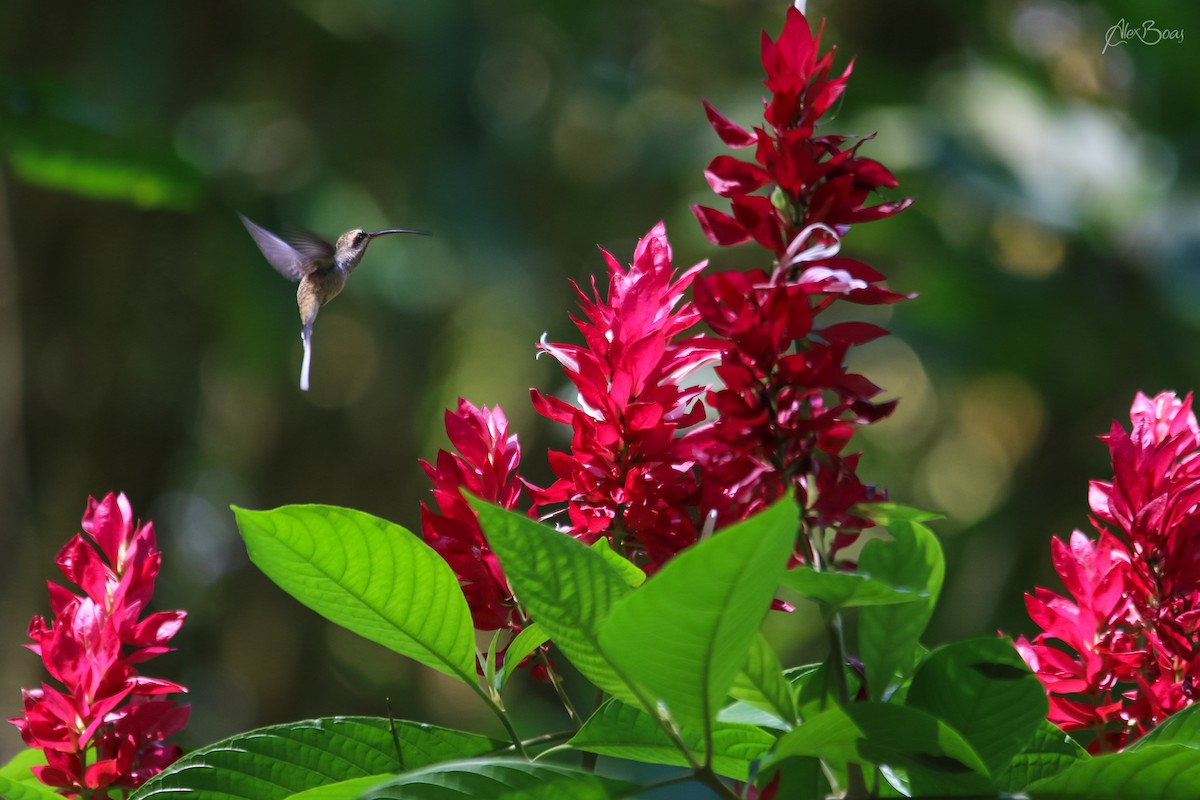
(1125, 653)
(90, 647)
(627, 475)
(485, 466)
(809, 179)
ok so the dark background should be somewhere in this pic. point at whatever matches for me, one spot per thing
(145, 345)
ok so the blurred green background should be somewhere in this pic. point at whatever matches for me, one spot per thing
(146, 346)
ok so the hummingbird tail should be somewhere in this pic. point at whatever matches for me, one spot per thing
(306, 336)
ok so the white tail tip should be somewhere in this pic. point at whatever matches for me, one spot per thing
(304, 366)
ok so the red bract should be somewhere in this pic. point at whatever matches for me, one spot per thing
(788, 406)
(1125, 654)
(105, 730)
(627, 474)
(809, 179)
(486, 467)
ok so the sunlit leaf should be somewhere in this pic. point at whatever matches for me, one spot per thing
(835, 590)
(276, 762)
(685, 634)
(1169, 772)
(761, 683)
(889, 635)
(893, 735)
(529, 639)
(984, 690)
(502, 779)
(1182, 727)
(368, 575)
(18, 783)
(1048, 752)
(623, 731)
(566, 586)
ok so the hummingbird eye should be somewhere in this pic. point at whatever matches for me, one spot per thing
(360, 237)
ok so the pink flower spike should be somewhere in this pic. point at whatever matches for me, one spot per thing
(90, 647)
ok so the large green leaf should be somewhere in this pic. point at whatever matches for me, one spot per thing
(1182, 727)
(761, 683)
(368, 575)
(984, 690)
(276, 762)
(889, 635)
(566, 586)
(1169, 772)
(684, 635)
(1048, 752)
(932, 753)
(501, 779)
(18, 783)
(625, 731)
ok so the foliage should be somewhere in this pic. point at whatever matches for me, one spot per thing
(683, 511)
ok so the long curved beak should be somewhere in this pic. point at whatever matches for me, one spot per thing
(373, 234)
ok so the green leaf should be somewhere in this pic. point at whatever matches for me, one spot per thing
(837, 590)
(631, 572)
(529, 639)
(502, 779)
(1167, 772)
(1182, 727)
(624, 731)
(368, 575)
(897, 736)
(886, 514)
(761, 683)
(566, 586)
(351, 789)
(984, 690)
(82, 160)
(685, 634)
(18, 783)
(815, 688)
(888, 636)
(276, 762)
(1048, 752)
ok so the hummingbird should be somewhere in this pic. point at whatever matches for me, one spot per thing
(320, 267)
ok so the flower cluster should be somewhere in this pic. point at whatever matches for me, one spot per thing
(655, 458)
(1123, 652)
(484, 466)
(813, 179)
(788, 406)
(629, 473)
(104, 732)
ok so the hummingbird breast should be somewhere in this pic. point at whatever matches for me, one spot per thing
(317, 289)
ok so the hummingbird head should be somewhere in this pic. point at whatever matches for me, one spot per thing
(351, 245)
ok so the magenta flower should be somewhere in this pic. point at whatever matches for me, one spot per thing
(1123, 653)
(628, 474)
(810, 179)
(486, 467)
(104, 731)
(788, 407)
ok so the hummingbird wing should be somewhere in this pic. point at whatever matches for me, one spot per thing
(288, 261)
(315, 251)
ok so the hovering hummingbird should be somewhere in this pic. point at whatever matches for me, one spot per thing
(321, 269)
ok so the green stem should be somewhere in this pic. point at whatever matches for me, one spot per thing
(856, 782)
(498, 709)
(709, 778)
(558, 689)
(548, 738)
